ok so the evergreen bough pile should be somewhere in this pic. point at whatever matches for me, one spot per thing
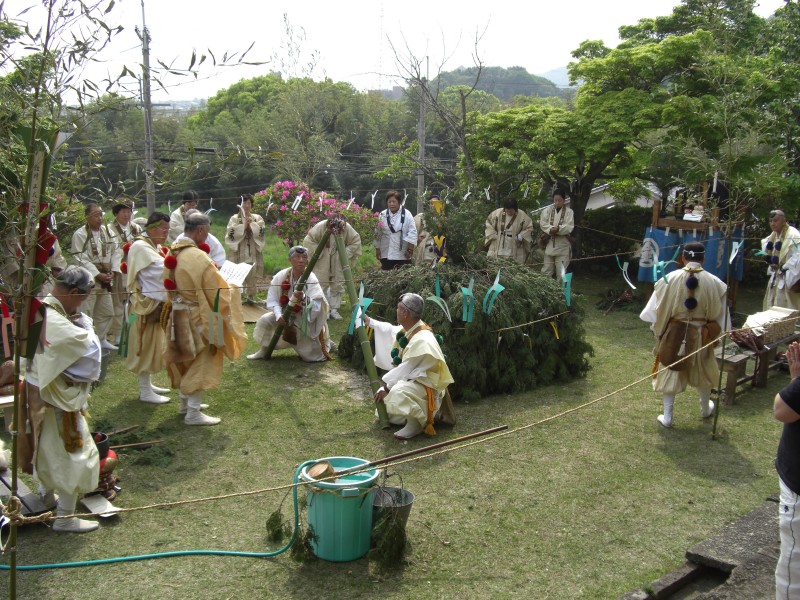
(483, 360)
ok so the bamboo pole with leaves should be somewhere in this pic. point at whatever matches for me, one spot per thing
(366, 348)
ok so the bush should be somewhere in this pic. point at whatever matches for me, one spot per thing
(482, 359)
(291, 226)
(610, 231)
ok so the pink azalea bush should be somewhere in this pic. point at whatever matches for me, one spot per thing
(292, 225)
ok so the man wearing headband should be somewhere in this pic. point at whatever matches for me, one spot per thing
(417, 379)
(144, 264)
(782, 255)
(305, 329)
(687, 312)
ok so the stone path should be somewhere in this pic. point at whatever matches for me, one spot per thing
(738, 563)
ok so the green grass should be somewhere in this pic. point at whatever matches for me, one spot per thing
(589, 505)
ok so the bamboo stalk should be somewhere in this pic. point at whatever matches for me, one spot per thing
(402, 455)
(122, 430)
(137, 444)
(366, 349)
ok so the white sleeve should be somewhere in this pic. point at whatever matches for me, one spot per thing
(151, 281)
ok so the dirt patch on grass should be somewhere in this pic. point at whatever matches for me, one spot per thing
(352, 385)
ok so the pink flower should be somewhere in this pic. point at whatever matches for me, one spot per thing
(278, 223)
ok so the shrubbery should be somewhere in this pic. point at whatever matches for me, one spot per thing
(483, 359)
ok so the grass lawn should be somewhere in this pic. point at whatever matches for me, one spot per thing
(588, 505)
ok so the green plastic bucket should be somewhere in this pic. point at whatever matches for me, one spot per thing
(340, 510)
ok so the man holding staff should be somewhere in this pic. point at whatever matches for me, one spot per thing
(307, 328)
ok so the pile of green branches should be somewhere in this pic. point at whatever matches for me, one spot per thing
(483, 359)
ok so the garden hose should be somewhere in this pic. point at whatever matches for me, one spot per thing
(121, 559)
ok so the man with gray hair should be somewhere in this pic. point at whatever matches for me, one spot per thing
(205, 322)
(417, 377)
(215, 249)
(60, 450)
(307, 328)
(782, 255)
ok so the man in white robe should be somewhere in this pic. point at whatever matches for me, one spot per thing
(146, 338)
(417, 376)
(782, 252)
(507, 232)
(309, 312)
(691, 304)
(57, 385)
(177, 219)
(557, 221)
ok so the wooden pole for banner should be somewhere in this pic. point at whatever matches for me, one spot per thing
(366, 348)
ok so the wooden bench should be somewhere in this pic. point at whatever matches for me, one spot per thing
(734, 365)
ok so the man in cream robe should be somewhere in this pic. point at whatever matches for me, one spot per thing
(689, 298)
(508, 232)
(415, 386)
(309, 321)
(57, 384)
(557, 221)
(782, 253)
(120, 231)
(93, 249)
(146, 339)
(196, 347)
(328, 268)
(245, 239)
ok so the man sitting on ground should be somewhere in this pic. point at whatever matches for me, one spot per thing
(307, 328)
(415, 386)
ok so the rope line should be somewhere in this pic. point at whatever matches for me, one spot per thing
(12, 510)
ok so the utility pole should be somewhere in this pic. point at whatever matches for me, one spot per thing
(421, 141)
(148, 117)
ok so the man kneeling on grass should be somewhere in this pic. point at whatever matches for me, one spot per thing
(418, 377)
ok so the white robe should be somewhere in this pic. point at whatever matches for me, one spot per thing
(64, 372)
(422, 366)
(309, 347)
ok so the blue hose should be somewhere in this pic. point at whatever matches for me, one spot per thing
(121, 559)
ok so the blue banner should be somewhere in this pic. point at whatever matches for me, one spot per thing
(657, 247)
(718, 254)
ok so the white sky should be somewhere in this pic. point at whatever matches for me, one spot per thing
(352, 36)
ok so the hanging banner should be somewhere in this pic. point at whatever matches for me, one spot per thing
(658, 245)
(718, 255)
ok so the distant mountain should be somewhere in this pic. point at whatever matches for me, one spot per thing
(503, 83)
(558, 76)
